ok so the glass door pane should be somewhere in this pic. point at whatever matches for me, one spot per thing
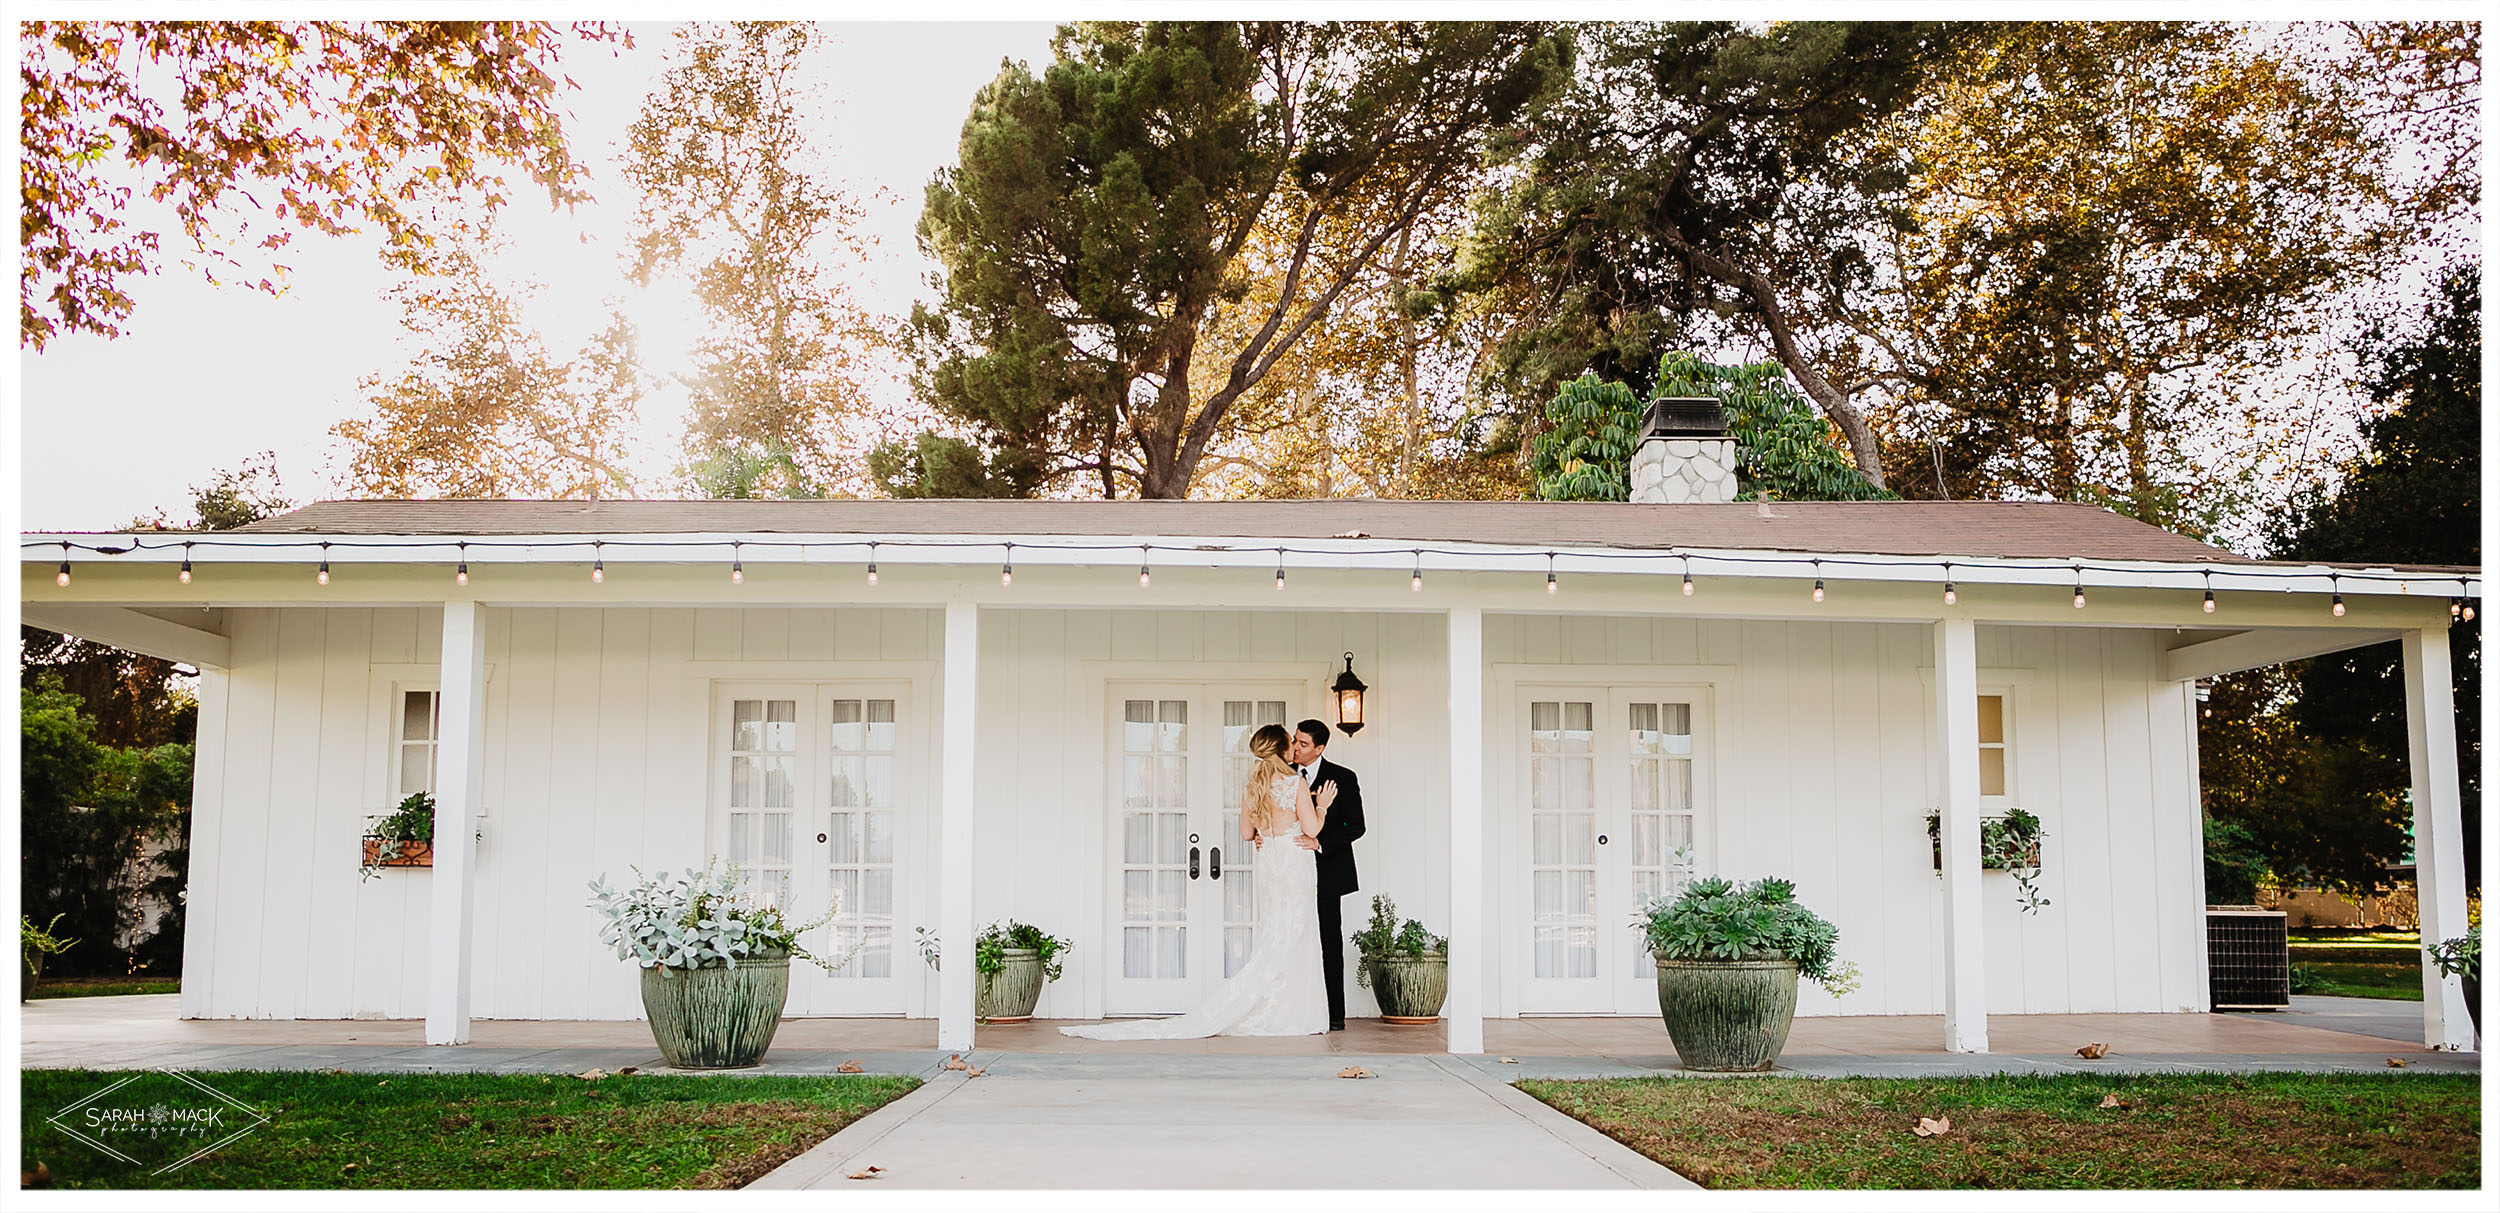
(1659, 764)
(1154, 839)
(1242, 717)
(763, 794)
(1562, 819)
(860, 826)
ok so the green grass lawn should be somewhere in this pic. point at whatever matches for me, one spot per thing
(2358, 962)
(337, 1130)
(2263, 1131)
(103, 987)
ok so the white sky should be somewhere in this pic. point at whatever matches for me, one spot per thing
(204, 377)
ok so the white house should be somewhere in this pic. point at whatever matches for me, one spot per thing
(951, 712)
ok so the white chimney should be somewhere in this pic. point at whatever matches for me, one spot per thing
(1685, 453)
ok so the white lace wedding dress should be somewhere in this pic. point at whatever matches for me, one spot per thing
(1279, 989)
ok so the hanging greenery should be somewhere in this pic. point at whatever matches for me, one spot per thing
(2010, 844)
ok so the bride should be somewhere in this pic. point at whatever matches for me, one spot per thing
(1279, 991)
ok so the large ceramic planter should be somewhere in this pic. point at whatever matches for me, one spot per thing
(717, 1018)
(1410, 990)
(1008, 995)
(1727, 1015)
(2474, 1001)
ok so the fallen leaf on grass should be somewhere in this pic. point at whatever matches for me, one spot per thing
(36, 1178)
(592, 1074)
(2395, 1063)
(2093, 1051)
(1510, 1061)
(1354, 1072)
(956, 1062)
(2112, 1101)
(349, 1169)
(630, 1070)
(870, 1173)
(1934, 1128)
(850, 1067)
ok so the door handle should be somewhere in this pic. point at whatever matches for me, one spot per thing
(1215, 862)
(1193, 863)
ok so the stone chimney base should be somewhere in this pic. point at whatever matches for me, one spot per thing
(1679, 471)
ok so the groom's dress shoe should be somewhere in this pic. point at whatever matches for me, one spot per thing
(1336, 1025)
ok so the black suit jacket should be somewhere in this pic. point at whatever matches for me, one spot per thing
(1337, 834)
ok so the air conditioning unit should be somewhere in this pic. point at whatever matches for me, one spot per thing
(2248, 958)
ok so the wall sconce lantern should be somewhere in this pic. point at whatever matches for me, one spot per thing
(1349, 691)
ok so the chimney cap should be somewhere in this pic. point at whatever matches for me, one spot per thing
(1685, 417)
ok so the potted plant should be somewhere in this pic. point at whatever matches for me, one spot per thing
(1010, 961)
(405, 839)
(1729, 956)
(2009, 844)
(715, 964)
(1406, 967)
(2462, 958)
(34, 943)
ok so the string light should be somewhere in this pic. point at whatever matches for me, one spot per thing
(1550, 587)
(1145, 575)
(1949, 596)
(2469, 612)
(62, 579)
(1418, 582)
(872, 564)
(1280, 568)
(1007, 568)
(598, 562)
(2338, 584)
(186, 562)
(1818, 581)
(2078, 587)
(323, 577)
(1688, 576)
(737, 564)
(462, 577)
(2209, 593)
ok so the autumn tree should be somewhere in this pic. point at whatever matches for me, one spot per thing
(734, 196)
(1649, 207)
(2109, 233)
(1101, 215)
(249, 132)
(483, 408)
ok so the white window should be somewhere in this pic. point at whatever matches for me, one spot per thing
(419, 743)
(1992, 745)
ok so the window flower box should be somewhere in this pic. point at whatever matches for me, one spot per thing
(383, 852)
(2008, 843)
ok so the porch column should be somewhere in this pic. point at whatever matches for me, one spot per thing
(963, 638)
(1467, 943)
(1957, 730)
(2438, 846)
(459, 782)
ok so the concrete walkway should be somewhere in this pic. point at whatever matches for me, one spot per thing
(1162, 1122)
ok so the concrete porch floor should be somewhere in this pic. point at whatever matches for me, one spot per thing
(144, 1031)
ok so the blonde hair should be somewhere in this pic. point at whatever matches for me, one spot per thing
(1269, 745)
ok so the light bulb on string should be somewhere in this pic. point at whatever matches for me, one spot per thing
(1007, 567)
(1950, 597)
(1818, 581)
(1688, 576)
(598, 562)
(461, 575)
(737, 564)
(323, 577)
(1145, 575)
(185, 575)
(872, 564)
(2078, 587)
(62, 578)
(2338, 584)
(1280, 568)
(1550, 586)
(1417, 583)
(2209, 593)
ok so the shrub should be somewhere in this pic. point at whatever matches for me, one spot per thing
(703, 919)
(1384, 937)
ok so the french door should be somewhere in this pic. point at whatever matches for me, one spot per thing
(1180, 913)
(818, 794)
(1610, 811)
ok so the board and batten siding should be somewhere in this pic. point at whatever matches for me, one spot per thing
(596, 761)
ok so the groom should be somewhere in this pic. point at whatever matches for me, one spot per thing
(1335, 845)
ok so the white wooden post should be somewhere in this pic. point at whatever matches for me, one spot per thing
(2438, 847)
(1467, 942)
(1957, 730)
(460, 779)
(963, 638)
